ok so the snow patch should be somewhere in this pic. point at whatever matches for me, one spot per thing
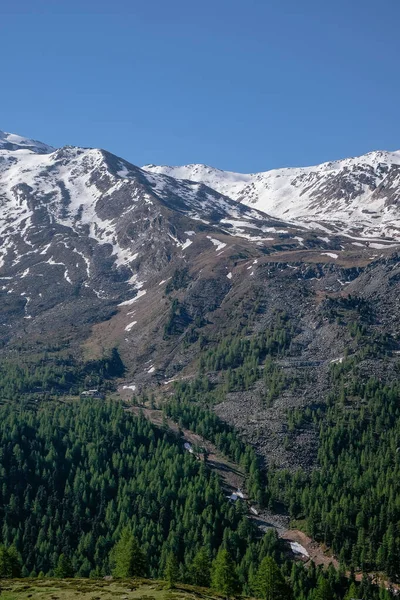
(66, 276)
(381, 246)
(134, 281)
(298, 549)
(129, 387)
(337, 360)
(132, 300)
(219, 245)
(186, 244)
(299, 239)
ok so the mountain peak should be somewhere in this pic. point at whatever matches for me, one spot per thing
(13, 142)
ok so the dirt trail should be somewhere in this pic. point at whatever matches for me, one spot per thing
(233, 479)
(231, 474)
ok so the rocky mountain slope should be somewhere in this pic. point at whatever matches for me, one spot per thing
(356, 196)
(97, 253)
(81, 230)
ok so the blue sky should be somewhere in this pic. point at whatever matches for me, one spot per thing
(241, 85)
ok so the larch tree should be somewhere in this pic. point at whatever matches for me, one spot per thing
(269, 582)
(127, 558)
(200, 569)
(224, 578)
(171, 570)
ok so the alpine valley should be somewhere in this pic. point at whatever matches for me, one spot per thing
(250, 319)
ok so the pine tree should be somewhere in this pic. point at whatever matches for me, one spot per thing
(10, 565)
(352, 593)
(14, 562)
(171, 570)
(223, 578)
(200, 569)
(127, 558)
(269, 582)
(64, 567)
(323, 590)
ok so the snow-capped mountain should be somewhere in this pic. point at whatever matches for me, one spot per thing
(88, 191)
(11, 141)
(97, 253)
(356, 196)
(81, 227)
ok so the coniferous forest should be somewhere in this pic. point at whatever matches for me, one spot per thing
(199, 349)
(88, 489)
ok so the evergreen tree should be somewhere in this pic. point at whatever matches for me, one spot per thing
(10, 564)
(323, 590)
(223, 575)
(171, 570)
(352, 593)
(4, 562)
(269, 582)
(14, 562)
(64, 568)
(200, 569)
(127, 558)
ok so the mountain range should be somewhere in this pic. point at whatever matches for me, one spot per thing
(165, 262)
(355, 196)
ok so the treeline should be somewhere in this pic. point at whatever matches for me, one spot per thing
(356, 314)
(242, 360)
(236, 351)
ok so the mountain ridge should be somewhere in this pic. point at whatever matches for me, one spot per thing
(12, 141)
(82, 230)
(355, 196)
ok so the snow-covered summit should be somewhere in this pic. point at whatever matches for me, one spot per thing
(90, 194)
(225, 182)
(12, 142)
(358, 194)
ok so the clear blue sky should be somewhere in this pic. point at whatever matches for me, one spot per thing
(244, 85)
